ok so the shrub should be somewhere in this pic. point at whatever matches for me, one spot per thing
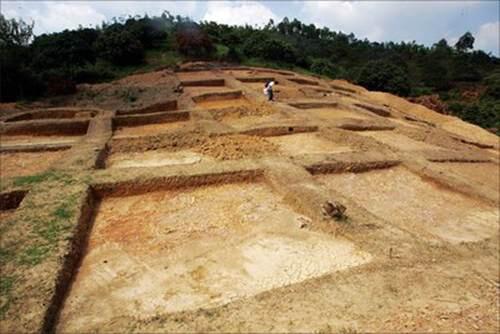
(325, 67)
(64, 49)
(384, 76)
(120, 47)
(17, 79)
(193, 42)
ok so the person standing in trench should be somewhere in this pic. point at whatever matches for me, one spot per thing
(268, 89)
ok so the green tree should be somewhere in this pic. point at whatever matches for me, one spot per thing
(384, 76)
(15, 32)
(119, 46)
(465, 42)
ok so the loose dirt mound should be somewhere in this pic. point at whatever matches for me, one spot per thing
(236, 147)
(135, 91)
(254, 109)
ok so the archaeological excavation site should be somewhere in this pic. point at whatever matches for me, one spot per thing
(198, 205)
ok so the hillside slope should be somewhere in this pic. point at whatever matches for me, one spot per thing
(185, 201)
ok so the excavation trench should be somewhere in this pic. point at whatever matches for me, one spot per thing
(28, 163)
(9, 202)
(185, 248)
(423, 208)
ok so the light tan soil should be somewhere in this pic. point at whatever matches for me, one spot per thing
(421, 208)
(485, 174)
(147, 130)
(172, 251)
(307, 143)
(398, 141)
(13, 140)
(27, 163)
(181, 244)
(156, 158)
(335, 113)
(221, 104)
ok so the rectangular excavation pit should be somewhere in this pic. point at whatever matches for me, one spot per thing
(197, 75)
(219, 100)
(148, 124)
(485, 174)
(42, 132)
(9, 202)
(203, 83)
(302, 81)
(307, 143)
(19, 163)
(259, 79)
(55, 113)
(416, 205)
(376, 110)
(155, 158)
(158, 107)
(398, 141)
(281, 92)
(336, 114)
(197, 247)
(313, 105)
(344, 89)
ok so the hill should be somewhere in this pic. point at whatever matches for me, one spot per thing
(184, 201)
(452, 79)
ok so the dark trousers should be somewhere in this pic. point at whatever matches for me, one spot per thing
(270, 94)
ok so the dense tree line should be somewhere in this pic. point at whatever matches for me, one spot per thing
(55, 63)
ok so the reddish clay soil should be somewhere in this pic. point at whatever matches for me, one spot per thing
(147, 130)
(204, 247)
(221, 104)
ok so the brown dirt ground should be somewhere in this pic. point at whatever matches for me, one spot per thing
(235, 147)
(180, 243)
(27, 163)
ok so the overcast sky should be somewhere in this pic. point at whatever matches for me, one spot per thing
(423, 21)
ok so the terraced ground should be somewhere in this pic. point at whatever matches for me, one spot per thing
(203, 209)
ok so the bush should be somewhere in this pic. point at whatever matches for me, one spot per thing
(120, 47)
(92, 74)
(325, 67)
(17, 79)
(193, 42)
(148, 31)
(384, 76)
(64, 49)
(261, 46)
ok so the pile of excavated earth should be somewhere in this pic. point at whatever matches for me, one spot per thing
(181, 201)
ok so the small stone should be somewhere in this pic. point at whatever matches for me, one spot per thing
(333, 209)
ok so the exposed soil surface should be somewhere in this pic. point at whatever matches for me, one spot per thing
(156, 158)
(146, 130)
(236, 147)
(175, 251)
(13, 140)
(398, 141)
(27, 163)
(422, 208)
(221, 104)
(222, 222)
(307, 143)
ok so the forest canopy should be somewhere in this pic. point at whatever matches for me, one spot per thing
(465, 80)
